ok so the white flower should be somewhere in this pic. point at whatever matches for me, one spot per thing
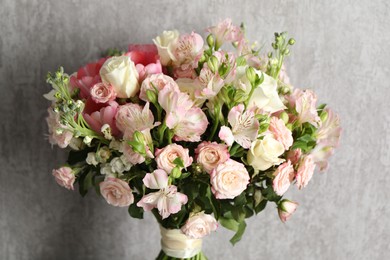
(265, 96)
(121, 73)
(91, 159)
(165, 44)
(265, 153)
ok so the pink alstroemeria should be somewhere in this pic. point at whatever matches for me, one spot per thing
(244, 125)
(167, 200)
(132, 117)
(211, 83)
(105, 115)
(188, 48)
(225, 31)
(187, 121)
(304, 102)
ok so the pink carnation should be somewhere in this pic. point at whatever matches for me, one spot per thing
(210, 155)
(305, 171)
(294, 156)
(281, 132)
(64, 177)
(116, 192)
(158, 81)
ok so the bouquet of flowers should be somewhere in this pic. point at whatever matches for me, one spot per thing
(197, 134)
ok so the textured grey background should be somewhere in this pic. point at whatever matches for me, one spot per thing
(342, 52)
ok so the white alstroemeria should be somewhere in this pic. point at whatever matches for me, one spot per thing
(244, 125)
(167, 200)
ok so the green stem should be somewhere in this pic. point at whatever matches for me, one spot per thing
(163, 256)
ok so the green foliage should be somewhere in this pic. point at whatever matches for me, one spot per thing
(85, 181)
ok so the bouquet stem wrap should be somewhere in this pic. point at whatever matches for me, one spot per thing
(175, 244)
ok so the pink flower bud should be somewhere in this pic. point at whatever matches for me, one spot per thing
(286, 208)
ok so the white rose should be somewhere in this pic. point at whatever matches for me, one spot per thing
(121, 73)
(266, 95)
(199, 225)
(165, 43)
(265, 153)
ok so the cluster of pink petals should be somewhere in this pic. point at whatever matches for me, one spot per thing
(106, 115)
(64, 177)
(210, 154)
(155, 82)
(244, 129)
(58, 133)
(165, 157)
(286, 209)
(284, 175)
(102, 93)
(280, 132)
(305, 171)
(187, 121)
(116, 192)
(167, 200)
(305, 102)
(86, 77)
(145, 58)
(225, 31)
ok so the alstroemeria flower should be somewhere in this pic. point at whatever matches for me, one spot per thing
(187, 121)
(225, 31)
(156, 81)
(211, 83)
(244, 125)
(304, 102)
(167, 200)
(188, 47)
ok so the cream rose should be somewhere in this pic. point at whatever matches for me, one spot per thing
(229, 179)
(209, 155)
(165, 44)
(166, 156)
(265, 96)
(121, 73)
(265, 153)
(116, 192)
(199, 225)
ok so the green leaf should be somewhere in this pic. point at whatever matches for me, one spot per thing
(229, 223)
(300, 144)
(270, 194)
(136, 212)
(75, 157)
(185, 175)
(240, 231)
(240, 199)
(86, 182)
(213, 203)
(238, 213)
(179, 162)
(306, 138)
(260, 206)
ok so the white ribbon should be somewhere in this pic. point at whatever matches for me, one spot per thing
(175, 244)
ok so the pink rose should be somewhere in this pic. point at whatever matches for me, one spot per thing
(284, 175)
(305, 171)
(116, 192)
(86, 77)
(158, 81)
(166, 156)
(286, 208)
(229, 179)
(103, 93)
(64, 177)
(209, 155)
(199, 225)
(106, 115)
(281, 132)
(294, 156)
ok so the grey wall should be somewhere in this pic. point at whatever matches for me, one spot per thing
(342, 52)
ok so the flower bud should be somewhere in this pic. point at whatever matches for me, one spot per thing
(139, 137)
(286, 208)
(284, 117)
(324, 116)
(210, 40)
(87, 140)
(176, 172)
(251, 74)
(152, 97)
(106, 130)
(213, 63)
(291, 41)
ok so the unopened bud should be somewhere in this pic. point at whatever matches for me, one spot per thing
(87, 140)
(284, 117)
(213, 64)
(291, 41)
(324, 116)
(251, 74)
(210, 40)
(152, 97)
(139, 137)
(286, 208)
(176, 172)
